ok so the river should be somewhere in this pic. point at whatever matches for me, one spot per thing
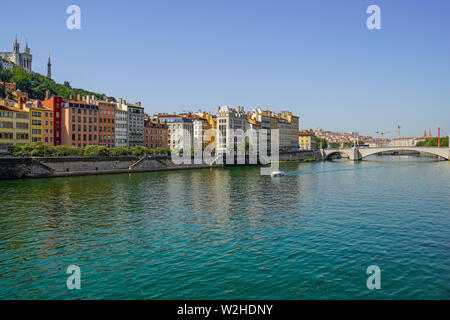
(232, 233)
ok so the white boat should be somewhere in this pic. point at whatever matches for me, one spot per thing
(277, 173)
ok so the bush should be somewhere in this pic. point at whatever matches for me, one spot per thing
(96, 151)
(120, 151)
(41, 150)
(140, 151)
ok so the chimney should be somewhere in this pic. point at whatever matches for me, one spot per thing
(78, 97)
(71, 96)
(138, 103)
(47, 94)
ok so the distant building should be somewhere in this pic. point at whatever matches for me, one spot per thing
(155, 134)
(135, 124)
(9, 86)
(121, 124)
(80, 120)
(180, 131)
(200, 127)
(307, 140)
(229, 119)
(54, 118)
(106, 122)
(14, 126)
(22, 59)
(36, 113)
(293, 121)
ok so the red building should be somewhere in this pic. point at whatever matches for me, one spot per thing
(155, 134)
(55, 104)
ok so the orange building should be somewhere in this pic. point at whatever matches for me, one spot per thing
(9, 86)
(79, 123)
(106, 123)
(48, 133)
(155, 134)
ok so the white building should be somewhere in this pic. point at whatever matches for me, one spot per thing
(121, 124)
(180, 131)
(24, 59)
(136, 119)
(229, 119)
(199, 128)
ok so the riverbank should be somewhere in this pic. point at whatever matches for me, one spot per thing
(43, 167)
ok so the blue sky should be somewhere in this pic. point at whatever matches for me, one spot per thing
(316, 58)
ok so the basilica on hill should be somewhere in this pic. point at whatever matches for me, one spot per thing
(22, 59)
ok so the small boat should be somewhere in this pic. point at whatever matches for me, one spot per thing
(277, 173)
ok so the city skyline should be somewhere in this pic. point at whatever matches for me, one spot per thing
(337, 75)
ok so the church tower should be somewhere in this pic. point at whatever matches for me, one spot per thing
(49, 67)
(16, 46)
(27, 50)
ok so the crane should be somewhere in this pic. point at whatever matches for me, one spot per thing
(382, 136)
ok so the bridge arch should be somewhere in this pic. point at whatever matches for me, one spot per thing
(360, 153)
(440, 152)
(329, 154)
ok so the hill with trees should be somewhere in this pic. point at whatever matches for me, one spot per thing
(35, 85)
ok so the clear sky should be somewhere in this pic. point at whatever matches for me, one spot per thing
(316, 58)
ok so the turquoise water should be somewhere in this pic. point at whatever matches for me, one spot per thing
(232, 233)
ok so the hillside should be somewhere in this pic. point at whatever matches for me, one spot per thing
(36, 85)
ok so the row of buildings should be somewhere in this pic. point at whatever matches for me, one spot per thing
(85, 120)
(77, 122)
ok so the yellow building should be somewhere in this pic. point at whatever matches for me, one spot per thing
(14, 126)
(307, 141)
(36, 113)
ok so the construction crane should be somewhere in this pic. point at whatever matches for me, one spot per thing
(382, 136)
(399, 127)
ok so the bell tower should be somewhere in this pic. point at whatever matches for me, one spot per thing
(49, 67)
(16, 46)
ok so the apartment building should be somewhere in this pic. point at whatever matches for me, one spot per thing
(54, 118)
(14, 126)
(307, 140)
(180, 131)
(229, 119)
(135, 124)
(106, 123)
(293, 121)
(80, 123)
(121, 124)
(155, 134)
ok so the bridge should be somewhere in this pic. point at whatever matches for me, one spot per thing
(356, 154)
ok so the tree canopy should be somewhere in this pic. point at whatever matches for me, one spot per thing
(35, 85)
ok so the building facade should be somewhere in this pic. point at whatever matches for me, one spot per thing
(180, 131)
(307, 141)
(14, 126)
(106, 123)
(229, 119)
(135, 124)
(155, 134)
(22, 59)
(121, 124)
(80, 121)
(55, 104)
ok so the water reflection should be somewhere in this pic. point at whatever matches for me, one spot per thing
(230, 233)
